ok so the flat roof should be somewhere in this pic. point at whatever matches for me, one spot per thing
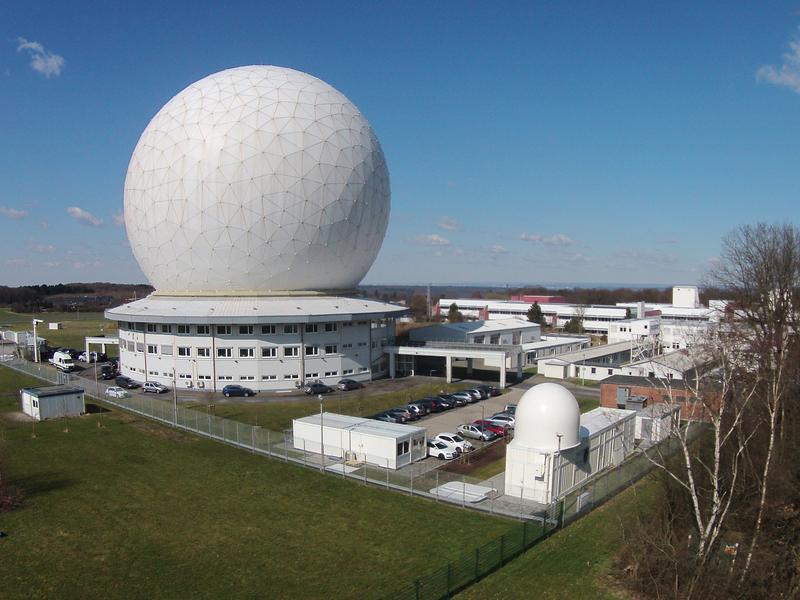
(251, 309)
(362, 425)
(650, 382)
(52, 390)
(602, 418)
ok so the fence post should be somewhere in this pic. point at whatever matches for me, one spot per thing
(524, 534)
(437, 485)
(253, 438)
(477, 563)
(417, 586)
(269, 448)
(503, 549)
(237, 434)
(449, 577)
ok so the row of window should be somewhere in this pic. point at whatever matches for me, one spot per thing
(228, 352)
(273, 377)
(292, 328)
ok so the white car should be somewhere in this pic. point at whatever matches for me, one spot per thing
(441, 450)
(154, 387)
(116, 392)
(503, 419)
(455, 440)
(90, 358)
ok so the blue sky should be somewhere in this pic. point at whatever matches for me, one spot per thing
(529, 142)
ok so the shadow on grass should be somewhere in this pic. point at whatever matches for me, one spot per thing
(93, 409)
(41, 483)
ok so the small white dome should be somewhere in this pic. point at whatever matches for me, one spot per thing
(545, 412)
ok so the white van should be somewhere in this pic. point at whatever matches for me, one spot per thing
(62, 361)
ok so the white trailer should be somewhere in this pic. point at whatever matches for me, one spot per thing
(389, 445)
(52, 402)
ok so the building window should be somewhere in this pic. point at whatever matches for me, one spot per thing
(139, 347)
(268, 377)
(153, 373)
(331, 373)
(245, 329)
(311, 328)
(225, 378)
(246, 377)
(184, 351)
(204, 352)
(362, 343)
(495, 339)
(402, 448)
(611, 371)
(269, 352)
(363, 370)
(331, 349)
(347, 345)
(184, 375)
(312, 350)
(247, 352)
(166, 329)
(224, 352)
(35, 404)
(347, 324)
(292, 376)
(478, 339)
(347, 372)
(151, 328)
(203, 329)
(183, 329)
(268, 329)
(290, 329)
(204, 377)
(223, 329)
(312, 375)
(291, 351)
(152, 349)
(594, 370)
(331, 327)
(166, 350)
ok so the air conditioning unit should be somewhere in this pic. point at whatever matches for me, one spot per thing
(201, 384)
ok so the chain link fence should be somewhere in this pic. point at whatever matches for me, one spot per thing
(418, 479)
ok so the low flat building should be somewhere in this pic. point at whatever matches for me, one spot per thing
(52, 402)
(495, 332)
(616, 391)
(594, 363)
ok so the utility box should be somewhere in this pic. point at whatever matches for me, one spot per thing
(55, 326)
(53, 402)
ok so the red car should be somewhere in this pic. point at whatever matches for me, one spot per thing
(489, 426)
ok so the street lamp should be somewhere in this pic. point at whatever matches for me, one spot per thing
(36, 341)
(321, 436)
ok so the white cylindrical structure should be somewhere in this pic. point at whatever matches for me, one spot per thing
(548, 419)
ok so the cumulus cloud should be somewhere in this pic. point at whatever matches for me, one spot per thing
(557, 239)
(43, 248)
(43, 61)
(498, 249)
(788, 73)
(433, 239)
(119, 219)
(16, 262)
(13, 213)
(84, 216)
(447, 224)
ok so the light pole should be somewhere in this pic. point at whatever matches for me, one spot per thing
(174, 398)
(321, 437)
(36, 341)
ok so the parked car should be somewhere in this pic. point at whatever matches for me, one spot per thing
(237, 390)
(453, 400)
(349, 384)
(387, 417)
(107, 372)
(476, 393)
(403, 413)
(492, 390)
(510, 409)
(498, 430)
(443, 403)
(504, 419)
(126, 382)
(431, 404)
(317, 388)
(456, 440)
(116, 392)
(441, 450)
(417, 407)
(154, 387)
(62, 361)
(473, 431)
(466, 396)
(90, 358)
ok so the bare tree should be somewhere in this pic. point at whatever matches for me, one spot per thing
(760, 268)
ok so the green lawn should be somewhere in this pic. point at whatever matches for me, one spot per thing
(77, 325)
(587, 403)
(575, 562)
(135, 509)
(278, 415)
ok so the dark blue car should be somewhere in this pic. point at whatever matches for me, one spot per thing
(237, 390)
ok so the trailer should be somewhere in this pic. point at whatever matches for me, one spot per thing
(52, 402)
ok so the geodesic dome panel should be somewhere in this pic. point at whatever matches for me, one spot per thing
(257, 178)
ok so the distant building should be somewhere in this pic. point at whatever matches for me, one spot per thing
(626, 391)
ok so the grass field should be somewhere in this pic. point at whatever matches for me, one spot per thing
(77, 325)
(278, 415)
(135, 509)
(575, 562)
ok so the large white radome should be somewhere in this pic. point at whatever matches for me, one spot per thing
(257, 179)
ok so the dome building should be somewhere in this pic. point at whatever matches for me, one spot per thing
(255, 202)
(556, 448)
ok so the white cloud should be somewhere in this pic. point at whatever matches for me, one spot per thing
(84, 216)
(43, 248)
(119, 219)
(50, 264)
(557, 239)
(43, 61)
(16, 262)
(498, 249)
(433, 239)
(447, 224)
(788, 73)
(13, 213)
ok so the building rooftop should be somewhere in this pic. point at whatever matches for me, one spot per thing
(52, 390)
(362, 425)
(651, 382)
(602, 418)
(251, 309)
(593, 353)
(494, 325)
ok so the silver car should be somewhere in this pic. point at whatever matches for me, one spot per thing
(503, 419)
(476, 433)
